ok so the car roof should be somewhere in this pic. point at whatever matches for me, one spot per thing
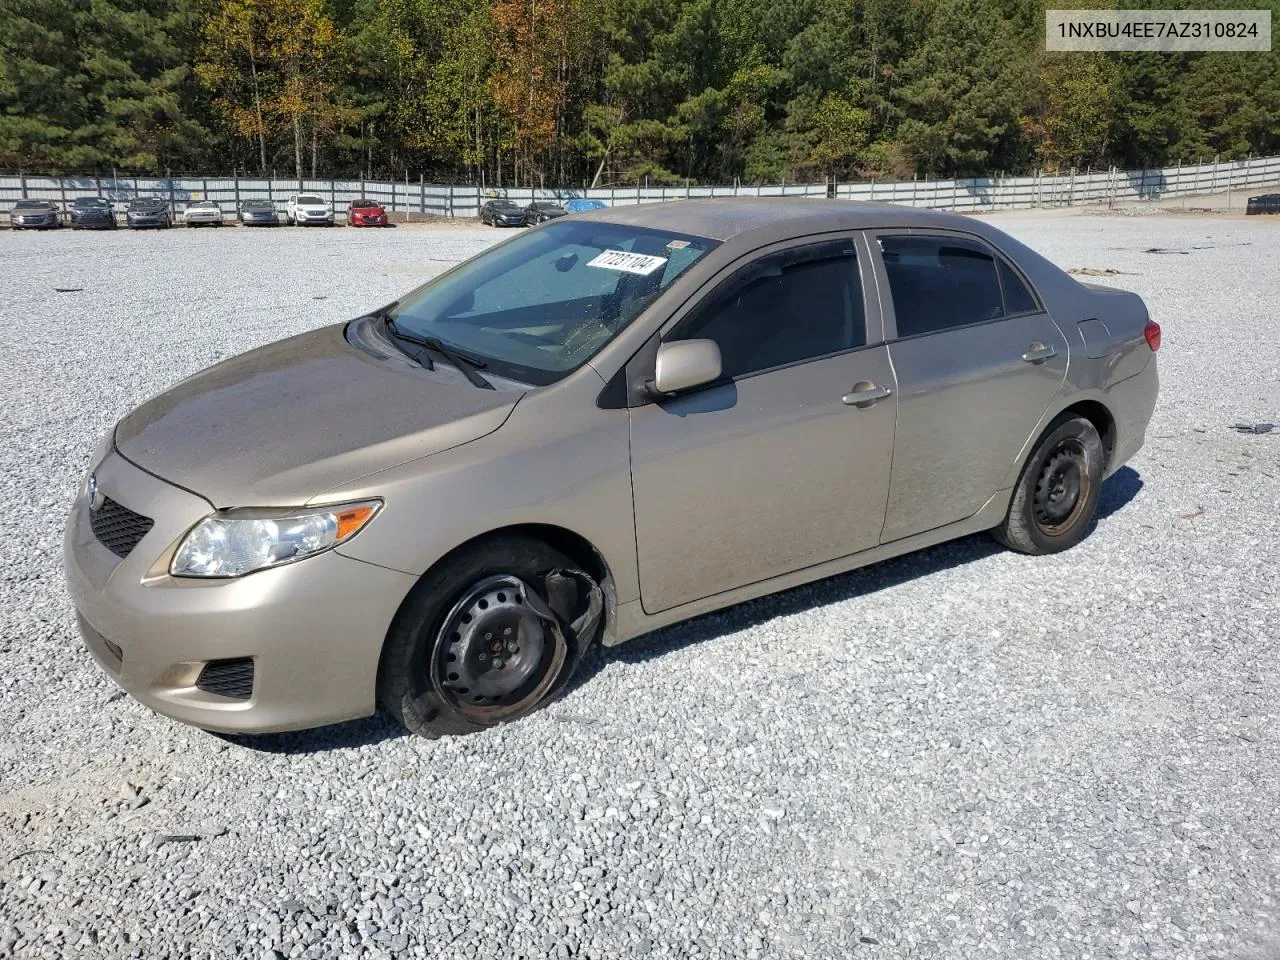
(723, 218)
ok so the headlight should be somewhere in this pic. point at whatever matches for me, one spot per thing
(237, 542)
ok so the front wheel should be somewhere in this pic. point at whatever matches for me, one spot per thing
(1057, 494)
(487, 637)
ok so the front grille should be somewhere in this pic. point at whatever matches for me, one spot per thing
(118, 528)
(228, 678)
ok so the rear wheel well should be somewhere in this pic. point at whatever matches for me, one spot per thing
(1097, 414)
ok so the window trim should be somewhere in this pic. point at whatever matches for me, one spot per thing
(889, 309)
(874, 331)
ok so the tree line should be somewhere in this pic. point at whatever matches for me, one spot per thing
(573, 92)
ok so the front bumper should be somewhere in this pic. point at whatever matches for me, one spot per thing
(32, 223)
(314, 629)
(304, 218)
(93, 223)
(159, 221)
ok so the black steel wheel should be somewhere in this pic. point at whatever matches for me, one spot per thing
(1056, 496)
(494, 655)
(491, 633)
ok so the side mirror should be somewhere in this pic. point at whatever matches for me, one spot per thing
(683, 364)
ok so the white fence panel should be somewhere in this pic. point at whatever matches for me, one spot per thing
(447, 200)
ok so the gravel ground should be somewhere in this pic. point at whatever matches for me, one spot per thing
(961, 753)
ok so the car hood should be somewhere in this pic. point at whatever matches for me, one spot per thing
(279, 425)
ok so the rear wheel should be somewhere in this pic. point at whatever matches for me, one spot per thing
(1057, 494)
(487, 637)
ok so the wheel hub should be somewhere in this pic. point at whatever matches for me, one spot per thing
(1060, 487)
(492, 646)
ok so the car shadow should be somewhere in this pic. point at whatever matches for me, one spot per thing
(351, 735)
(1117, 492)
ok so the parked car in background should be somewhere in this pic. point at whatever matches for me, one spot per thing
(366, 213)
(148, 212)
(580, 205)
(600, 428)
(1264, 203)
(92, 213)
(259, 213)
(202, 213)
(34, 215)
(501, 213)
(540, 211)
(305, 209)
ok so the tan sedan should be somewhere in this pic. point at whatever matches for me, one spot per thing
(607, 424)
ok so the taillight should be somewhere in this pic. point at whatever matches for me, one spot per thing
(1152, 332)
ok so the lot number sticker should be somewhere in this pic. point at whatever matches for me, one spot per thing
(640, 263)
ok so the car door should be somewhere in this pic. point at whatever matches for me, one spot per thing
(977, 360)
(784, 462)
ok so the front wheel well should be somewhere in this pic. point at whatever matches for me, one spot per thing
(573, 545)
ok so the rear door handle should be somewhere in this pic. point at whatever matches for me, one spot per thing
(865, 394)
(1039, 352)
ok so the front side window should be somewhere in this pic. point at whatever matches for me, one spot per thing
(797, 304)
(539, 306)
(939, 283)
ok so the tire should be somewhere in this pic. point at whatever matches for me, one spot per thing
(1056, 497)
(439, 674)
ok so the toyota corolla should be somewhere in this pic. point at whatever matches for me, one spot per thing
(609, 423)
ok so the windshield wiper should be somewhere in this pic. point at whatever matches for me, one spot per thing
(384, 314)
(470, 366)
(467, 364)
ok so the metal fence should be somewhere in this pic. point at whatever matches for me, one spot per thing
(409, 199)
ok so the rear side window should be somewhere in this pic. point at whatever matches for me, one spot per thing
(794, 305)
(1017, 298)
(939, 283)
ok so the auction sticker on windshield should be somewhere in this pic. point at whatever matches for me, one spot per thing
(640, 263)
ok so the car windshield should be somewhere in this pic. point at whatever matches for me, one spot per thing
(539, 306)
(257, 205)
(315, 200)
(147, 204)
(204, 205)
(88, 202)
(32, 205)
(546, 206)
(502, 204)
(364, 203)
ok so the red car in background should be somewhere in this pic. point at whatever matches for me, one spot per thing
(366, 213)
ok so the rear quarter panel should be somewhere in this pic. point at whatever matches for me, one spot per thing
(1109, 361)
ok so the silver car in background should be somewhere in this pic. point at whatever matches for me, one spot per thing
(202, 213)
(612, 422)
(307, 209)
(34, 215)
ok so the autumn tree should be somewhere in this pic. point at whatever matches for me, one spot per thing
(271, 66)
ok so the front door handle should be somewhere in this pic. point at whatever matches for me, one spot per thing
(865, 394)
(1039, 352)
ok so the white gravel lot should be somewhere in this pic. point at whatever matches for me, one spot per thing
(962, 753)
